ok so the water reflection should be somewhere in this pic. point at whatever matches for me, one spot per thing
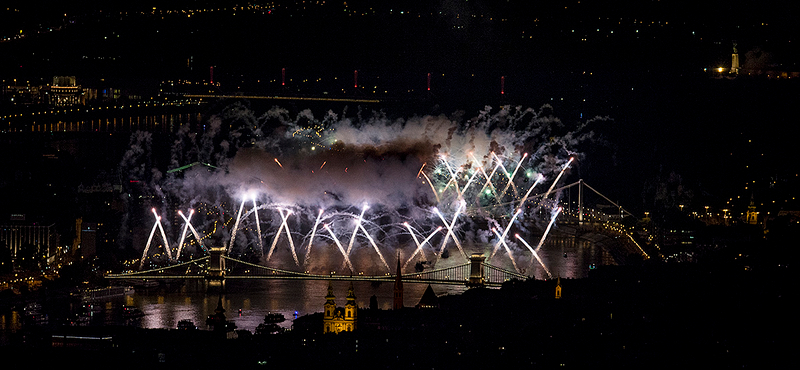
(154, 123)
(566, 256)
(10, 322)
(247, 301)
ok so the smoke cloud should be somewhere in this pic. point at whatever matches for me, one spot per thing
(402, 169)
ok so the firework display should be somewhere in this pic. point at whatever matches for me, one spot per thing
(420, 188)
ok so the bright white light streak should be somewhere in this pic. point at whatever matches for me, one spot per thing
(285, 224)
(474, 174)
(194, 232)
(550, 225)
(355, 230)
(538, 179)
(489, 178)
(505, 171)
(535, 255)
(413, 236)
(505, 232)
(197, 237)
(311, 240)
(341, 249)
(147, 246)
(163, 234)
(511, 179)
(431, 236)
(450, 232)
(375, 246)
(419, 245)
(185, 229)
(557, 178)
(277, 234)
(258, 224)
(236, 226)
(453, 177)
(508, 250)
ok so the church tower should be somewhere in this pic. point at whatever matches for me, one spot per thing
(330, 309)
(398, 287)
(558, 287)
(735, 60)
(752, 215)
(351, 309)
(339, 319)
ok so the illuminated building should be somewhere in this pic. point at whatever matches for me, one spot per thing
(752, 215)
(735, 60)
(339, 319)
(27, 238)
(558, 287)
(64, 92)
(22, 95)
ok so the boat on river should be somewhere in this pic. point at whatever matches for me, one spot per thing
(131, 312)
(270, 324)
(274, 318)
(33, 315)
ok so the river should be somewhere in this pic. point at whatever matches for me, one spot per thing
(246, 302)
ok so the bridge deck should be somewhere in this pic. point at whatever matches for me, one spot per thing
(455, 275)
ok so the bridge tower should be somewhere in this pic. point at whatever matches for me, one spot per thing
(216, 269)
(580, 202)
(476, 277)
(330, 308)
(351, 309)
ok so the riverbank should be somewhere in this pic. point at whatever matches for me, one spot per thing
(635, 316)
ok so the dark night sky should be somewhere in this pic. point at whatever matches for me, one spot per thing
(667, 114)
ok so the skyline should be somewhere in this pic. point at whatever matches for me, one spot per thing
(237, 158)
(641, 82)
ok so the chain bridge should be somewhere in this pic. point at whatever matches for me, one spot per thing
(575, 219)
(219, 267)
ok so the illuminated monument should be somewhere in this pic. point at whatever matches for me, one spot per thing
(558, 288)
(65, 92)
(339, 319)
(735, 60)
(752, 214)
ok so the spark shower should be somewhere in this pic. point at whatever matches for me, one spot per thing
(354, 194)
